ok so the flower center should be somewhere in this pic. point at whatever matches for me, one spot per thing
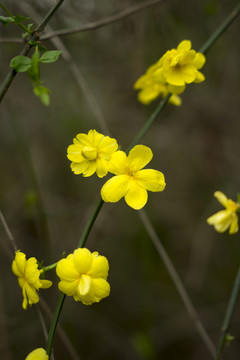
(89, 153)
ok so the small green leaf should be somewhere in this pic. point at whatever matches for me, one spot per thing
(21, 63)
(229, 338)
(43, 93)
(42, 49)
(6, 20)
(33, 71)
(18, 19)
(50, 56)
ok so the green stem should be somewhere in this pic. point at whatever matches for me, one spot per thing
(12, 16)
(54, 324)
(223, 27)
(12, 73)
(49, 267)
(228, 315)
(90, 223)
(149, 122)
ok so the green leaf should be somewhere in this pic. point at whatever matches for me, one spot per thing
(33, 71)
(50, 56)
(21, 63)
(6, 20)
(18, 19)
(43, 93)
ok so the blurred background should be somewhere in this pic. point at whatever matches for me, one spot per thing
(46, 206)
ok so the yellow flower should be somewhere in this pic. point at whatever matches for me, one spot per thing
(227, 218)
(83, 275)
(28, 278)
(91, 153)
(38, 354)
(150, 89)
(179, 67)
(130, 181)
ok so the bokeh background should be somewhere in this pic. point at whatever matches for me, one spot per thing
(196, 146)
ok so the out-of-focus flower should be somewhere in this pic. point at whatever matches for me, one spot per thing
(91, 153)
(151, 89)
(28, 278)
(180, 66)
(83, 275)
(227, 218)
(38, 354)
(175, 69)
(131, 182)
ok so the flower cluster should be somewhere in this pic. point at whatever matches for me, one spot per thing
(170, 74)
(91, 153)
(227, 218)
(28, 278)
(95, 152)
(83, 275)
(38, 354)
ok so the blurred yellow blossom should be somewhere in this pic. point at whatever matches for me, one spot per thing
(170, 74)
(28, 278)
(227, 218)
(37, 354)
(131, 182)
(83, 275)
(91, 153)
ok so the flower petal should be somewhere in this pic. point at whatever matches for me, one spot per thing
(82, 260)
(199, 60)
(184, 45)
(221, 197)
(152, 180)
(136, 196)
(66, 270)
(68, 288)
(99, 267)
(221, 220)
(100, 288)
(84, 285)
(37, 354)
(139, 157)
(115, 188)
(118, 163)
(19, 264)
(234, 224)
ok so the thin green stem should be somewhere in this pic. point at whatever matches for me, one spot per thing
(149, 122)
(220, 30)
(90, 223)
(12, 16)
(228, 315)
(53, 327)
(12, 73)
(49, 267)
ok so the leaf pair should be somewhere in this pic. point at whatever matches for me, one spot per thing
(31, 66)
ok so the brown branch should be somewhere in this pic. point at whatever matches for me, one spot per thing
(103, 22)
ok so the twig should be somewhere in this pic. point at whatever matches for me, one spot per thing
(103, 22)
(8, 232)
(228, 315)
(177, 282)
(12, 73)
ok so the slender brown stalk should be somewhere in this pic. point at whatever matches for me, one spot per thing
(8, 232)
(177, 282)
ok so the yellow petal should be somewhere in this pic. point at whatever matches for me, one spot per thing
(100, 288)
(38, 354)
(234, 224)
(74, 153)
(185, 45)
(175, 100)
(102, 167)
(200, 77)
(84, 285)
(148, 94)
(31, 293)
(84, 139)
(68, 288)
(115, 188)
(139, 157)
(79, 167)
(99, 267)
(66, 270)
(199, 60)
(221, 220)
(119, 163)
(136, 196)
(19, 264)
(45, 283)
(82, 259)
(152, 180)
(108, 145)
(91, 168)
(176, 90)
(221, 197)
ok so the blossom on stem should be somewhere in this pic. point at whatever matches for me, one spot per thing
(227, 218)
(38, 354)
(28, 278)
(83, 275)
(91, 153)
(170, 74)
(131, 180)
